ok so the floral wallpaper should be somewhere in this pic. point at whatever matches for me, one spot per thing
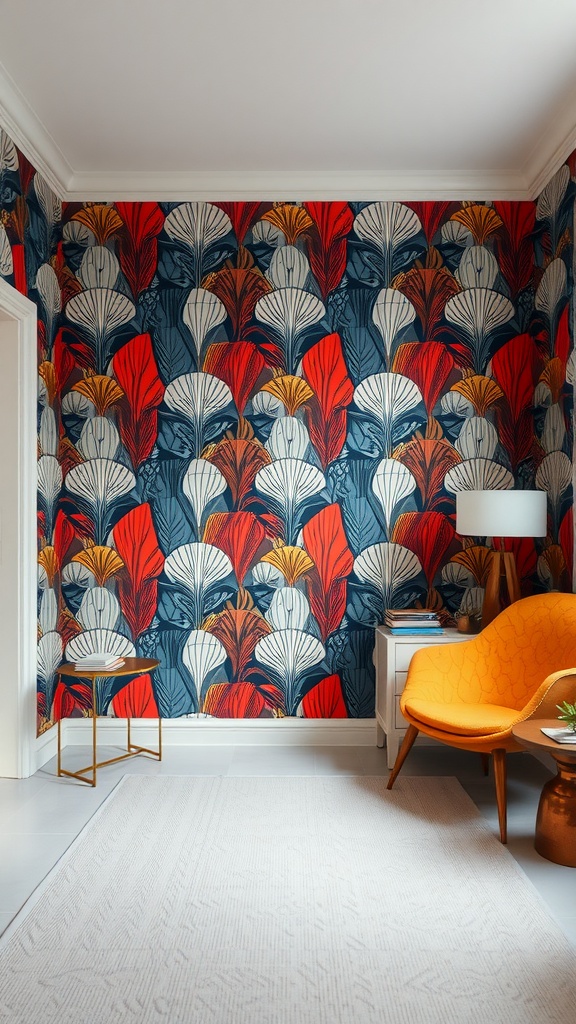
(253, 421)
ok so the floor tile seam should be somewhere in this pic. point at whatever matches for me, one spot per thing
(21, 805)
(37, 775)
(41, 832)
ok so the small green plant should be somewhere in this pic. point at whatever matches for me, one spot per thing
(568, 714)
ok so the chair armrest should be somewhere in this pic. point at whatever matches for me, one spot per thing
(557, 687)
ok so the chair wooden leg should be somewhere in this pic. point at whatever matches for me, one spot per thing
(500, 780)
(485, 758)
(407, 742)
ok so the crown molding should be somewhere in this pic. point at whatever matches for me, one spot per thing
(26, 129)
(552, 149)
(31, 136)
(278, 185)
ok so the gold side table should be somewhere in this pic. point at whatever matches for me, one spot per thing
(131, 667)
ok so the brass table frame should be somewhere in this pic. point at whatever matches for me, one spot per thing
(132, 667)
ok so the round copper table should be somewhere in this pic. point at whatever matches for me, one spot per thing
(131, 667)
(556, 819)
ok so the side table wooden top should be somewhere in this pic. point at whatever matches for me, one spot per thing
(131, 667)
(529, 734)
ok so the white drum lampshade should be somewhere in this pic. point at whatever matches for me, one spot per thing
(501, 513)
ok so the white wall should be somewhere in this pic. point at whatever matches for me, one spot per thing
(17, 534)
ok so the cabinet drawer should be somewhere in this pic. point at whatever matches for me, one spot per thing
(400, 682)
(404, 655)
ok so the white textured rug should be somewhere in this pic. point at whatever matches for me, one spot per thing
(286, 901)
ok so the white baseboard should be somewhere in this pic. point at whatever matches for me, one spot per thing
(208, 732)
(45, 747)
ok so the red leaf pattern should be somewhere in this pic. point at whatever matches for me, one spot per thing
(325, 541)
(325, 700)
(136, 371)
(138, 245)
(136, 699)
(136, 543)
(327, 245)
(324, 368)
(240, 535)
(239, 364)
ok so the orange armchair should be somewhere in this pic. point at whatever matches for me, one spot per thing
(471, 694)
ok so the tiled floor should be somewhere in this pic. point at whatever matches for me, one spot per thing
(40, 816)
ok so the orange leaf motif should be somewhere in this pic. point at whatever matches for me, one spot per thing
(292, 562)
(481, 391)
(103, 562)
(293, 392)
(429, 460)
(239, 461)
(477, 559)
(103, 221)
(292, 220)
(554, 375)
(239, 289)
(239, 630)
(481, 221)
(102, 391)
(428, 291)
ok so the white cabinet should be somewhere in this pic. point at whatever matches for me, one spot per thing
(392, 657)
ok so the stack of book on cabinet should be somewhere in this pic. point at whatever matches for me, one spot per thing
(413, 622)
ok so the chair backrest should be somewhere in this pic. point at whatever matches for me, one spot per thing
(526, 643)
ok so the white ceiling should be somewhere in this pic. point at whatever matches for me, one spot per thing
(417, 97)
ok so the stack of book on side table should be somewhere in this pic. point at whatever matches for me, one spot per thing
(413, 622)
(562, 735)
(98, 660)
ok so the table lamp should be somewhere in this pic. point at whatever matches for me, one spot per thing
(500, 514)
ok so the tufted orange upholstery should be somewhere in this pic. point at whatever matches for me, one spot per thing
(471, 694)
